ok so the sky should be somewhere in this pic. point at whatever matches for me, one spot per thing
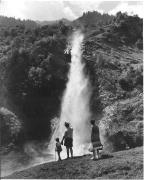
(70, 9)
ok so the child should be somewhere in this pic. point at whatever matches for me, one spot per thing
(95, 139)
(58, 148)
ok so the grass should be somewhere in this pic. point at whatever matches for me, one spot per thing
(126, 164)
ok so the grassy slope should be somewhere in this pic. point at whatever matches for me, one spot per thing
(123, 164)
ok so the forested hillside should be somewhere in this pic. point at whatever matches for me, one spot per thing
(93, 20)
(10, 22)
(34, 67)
(33, 70)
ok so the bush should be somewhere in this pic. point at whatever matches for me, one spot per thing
(133, 139)
(133, 78)
(139, 44)
(126, 84)
(118, 142)
(10, 127)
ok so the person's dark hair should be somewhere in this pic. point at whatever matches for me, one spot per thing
(66, 124)
(92, 122)
(57, 139)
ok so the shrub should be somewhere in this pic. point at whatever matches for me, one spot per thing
(126, 84)
(139, 44)
(133, 139)
(10, 127)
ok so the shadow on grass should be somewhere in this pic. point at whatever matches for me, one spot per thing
(103, 156)
(106, 156)
(75, 157)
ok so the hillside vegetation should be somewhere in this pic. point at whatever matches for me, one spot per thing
(33, 70)
(114, 64)
(34, 67)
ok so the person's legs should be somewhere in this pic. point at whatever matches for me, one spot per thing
(67, 148)
(59, 158)
(71, 151)
(94, 153)
(97, 155)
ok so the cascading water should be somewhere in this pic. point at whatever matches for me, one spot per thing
(75, 103)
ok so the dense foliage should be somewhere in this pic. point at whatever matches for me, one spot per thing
(33, 74)
(125, 29)
(11, 22)
(93, 20)
(11, 127)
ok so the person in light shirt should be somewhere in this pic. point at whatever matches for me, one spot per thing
(68, 139)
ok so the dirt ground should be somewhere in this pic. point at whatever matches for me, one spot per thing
(126, 164)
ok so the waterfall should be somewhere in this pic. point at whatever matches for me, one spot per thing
(75, 102)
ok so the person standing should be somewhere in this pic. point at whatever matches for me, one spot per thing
(68, 139)
(95, 139)
(58, 148)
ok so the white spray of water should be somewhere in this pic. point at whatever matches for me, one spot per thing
(75, 104)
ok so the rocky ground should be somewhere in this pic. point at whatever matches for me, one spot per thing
(126, 164)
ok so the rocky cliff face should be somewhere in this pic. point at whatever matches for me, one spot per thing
(116, 75)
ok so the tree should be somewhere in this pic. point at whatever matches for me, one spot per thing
(139, 44)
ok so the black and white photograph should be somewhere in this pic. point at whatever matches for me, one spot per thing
(71, 89)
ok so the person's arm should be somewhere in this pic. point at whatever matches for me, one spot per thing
(92, 134)
(56, 148)
(62, 139)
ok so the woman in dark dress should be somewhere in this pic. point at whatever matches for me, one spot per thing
(95, 139)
